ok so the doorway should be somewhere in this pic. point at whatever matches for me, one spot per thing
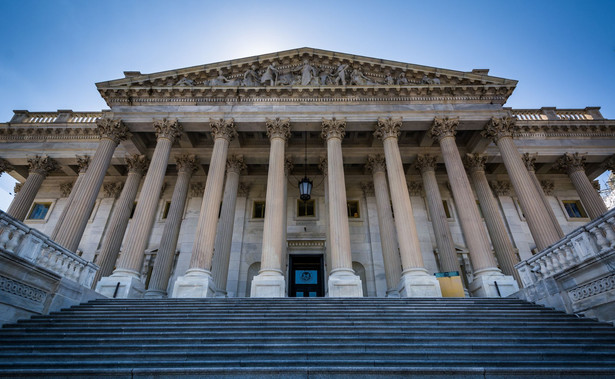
(306, 276)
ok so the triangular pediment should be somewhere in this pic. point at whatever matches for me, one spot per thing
(305, 73)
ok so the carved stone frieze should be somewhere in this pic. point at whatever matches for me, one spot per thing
(46, 133)
(475, 162)
(570, 163)
(197, 189)
(113, 189)
(65, 188)
(278, 128)
(42, 165)
(5, 166)
(425, 162)
(415, 189)
(169, 129)
(530, 161)
(368, 189)
(501, 188)
(388, 127)
(235, 163)
(83, 161)
(443, 127)
(498, 128)
(376, 163)
(186, 163)
(114, 130)
(333, 128)
(16, 288)
(137, 163)
(223, 128)
(547, 187)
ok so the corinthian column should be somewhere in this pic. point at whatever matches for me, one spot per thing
(198, 282)
(573, 165)
(137, 165)
(39, 168)
(342, 279)
(234, 166)
(128, 271)
(323, 166)
(486, 271)
(83, 163)
(529, 164)
(543, 231)
(270, 280)
(504, 249)
(112, 132)
(426, 165)
(186, 166)
(388, 239)
(415, 281)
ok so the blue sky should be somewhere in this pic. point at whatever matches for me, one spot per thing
(562, 52)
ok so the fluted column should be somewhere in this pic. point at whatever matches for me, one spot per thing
(112, 241)
(39, 168)
(83, 163)
(500, 130)
(270, 280)
(486, 271)
(198, 282)
(388, 240)
(426, 165)
(112, 132)
(128, 271)
(323, 166)
(415, 280)
(529, 161)
(573, 165)
(159, 280)
(234, 166)
(288, 168)
(504, 249)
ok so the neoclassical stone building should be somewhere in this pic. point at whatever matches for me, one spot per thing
(188, 185)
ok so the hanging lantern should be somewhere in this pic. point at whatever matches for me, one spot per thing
(305, 189)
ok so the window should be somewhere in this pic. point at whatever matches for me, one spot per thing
(306, 208)
(258, 209)
(39, 211)
(574, 208)
(353, 209)
(165, 210)
(447, 209)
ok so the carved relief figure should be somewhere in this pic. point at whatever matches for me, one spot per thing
(427, 80)
(185, 82)
(326, 77)
(402, 80)
(357, 78)
(307, 73)
(271, 75)
(220, 80)
(340, 74)
(250, 77)
(388, 79)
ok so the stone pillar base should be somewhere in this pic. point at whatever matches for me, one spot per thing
(155, 294)
(344, 283)
(197, 283)
(130, 287)
(484, 285)
(418, 283)
(393, 294)
(220, 293)
(268, 284)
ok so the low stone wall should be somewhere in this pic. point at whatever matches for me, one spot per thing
(577, 274)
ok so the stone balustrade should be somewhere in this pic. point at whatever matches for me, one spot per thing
(553, 114)
(61, 116)
(34, 246)
(592, 240)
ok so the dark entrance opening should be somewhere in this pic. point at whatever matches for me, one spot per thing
(306, 276)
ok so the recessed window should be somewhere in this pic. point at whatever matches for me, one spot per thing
(258, 209)
(165, 209)
(306, 208)
(353, 209)
(447, 209)
(574, 209)
(39, 211)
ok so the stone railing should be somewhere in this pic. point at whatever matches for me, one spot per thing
(34, 246)
(61, 116)
(589, 241)
(554, 114)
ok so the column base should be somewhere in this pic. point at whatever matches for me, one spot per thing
(128, 286)
(344, 283)
(220, 293)
(268, 284)
(155, 294)
(484, 284)
(394, 293)
(418, 283)
(197, 283)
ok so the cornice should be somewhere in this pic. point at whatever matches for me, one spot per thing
(44, 133)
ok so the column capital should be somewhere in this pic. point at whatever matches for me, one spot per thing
(368, 189)
(186, 163)
(288, 165)
(547, 187)
(113, 189)
(530, 161)
(18, 187)
(388, 127)
(609, 163)
(137, 163)
(115, 130)
(376, 163)
(244, 189)
(333, 128)
(65, 189)
(5, 166)
(425, 162)
(501, 188)
(596, 185)
(322, 165)
(196, 189)
(235, 163)
(415, 189)
(223, 128)
(170, 129)
(42, 165)
(571, 163)
(84, 162)
(475, 162)
(443, 127)
(278, 128)
(498, 128)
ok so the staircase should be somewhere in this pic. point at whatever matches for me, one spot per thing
(308, 338)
